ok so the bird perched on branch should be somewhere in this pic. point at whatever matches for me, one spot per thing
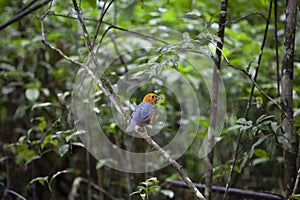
(144, 112)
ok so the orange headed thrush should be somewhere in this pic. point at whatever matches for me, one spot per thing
(144, 112)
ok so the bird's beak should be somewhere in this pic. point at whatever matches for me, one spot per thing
(159, 97)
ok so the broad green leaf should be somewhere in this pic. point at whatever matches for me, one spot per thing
(32, 94)
(257, 143)
(241, 121)
(285, 143)
(63, 149)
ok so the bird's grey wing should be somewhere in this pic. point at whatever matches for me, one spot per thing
(145, 112)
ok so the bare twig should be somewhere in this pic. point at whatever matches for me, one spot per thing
(106, 85)
(15, 194)
(259, 59)
(100, 21)
(23, 14)
(87, 69)
(84, 29)
(276, 47)
(296, 182)
(246, 16)
(76, 184)
(173, 162)
(232, 191)
(256, 85)
(112, 26)
(26, 6)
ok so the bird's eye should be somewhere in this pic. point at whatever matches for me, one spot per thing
(152, 97)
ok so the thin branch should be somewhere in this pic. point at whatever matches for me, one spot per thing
(276, 47)
(296, 182)
(87, 69)
(113, 26)
(232, 191)
(244, 71)
(119, 55)
(246, 16)
(100, 21)
(84, 29)
(23, 14)
(26, 6)
(259, 59)
(104, 34)
(76, 185)
(174, 163)
(15, 193)
(104, 80)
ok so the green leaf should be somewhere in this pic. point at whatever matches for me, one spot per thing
(79, 144)
(63, 150)
(234, 127)
(261, 153)
(274, 126)
(258, 142)
(264, 118)
(168, 193)
(285, 143)
(61, 172)
(258, 161)
(32, 94)
(143, 195)
(295, 196)
(41, 105)
(135, 192)
(77, 133)
(41, 180)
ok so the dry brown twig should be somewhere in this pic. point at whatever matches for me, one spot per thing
(173, 162)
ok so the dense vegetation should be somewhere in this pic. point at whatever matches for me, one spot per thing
(42, 153)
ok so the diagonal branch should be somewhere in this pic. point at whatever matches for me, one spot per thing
(259, 59)
(87, 69)
(23, 14)
(100, 21)
(174, 163)
(84, 29)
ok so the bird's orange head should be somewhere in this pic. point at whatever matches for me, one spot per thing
(151, 98)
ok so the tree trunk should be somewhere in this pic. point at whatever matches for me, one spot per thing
(290, 157)
(214, 102)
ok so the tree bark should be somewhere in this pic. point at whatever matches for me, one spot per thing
(214, 102)
(290, 157)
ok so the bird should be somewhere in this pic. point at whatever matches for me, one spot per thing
(144, 112)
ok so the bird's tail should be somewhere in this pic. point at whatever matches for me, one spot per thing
(131, 126)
